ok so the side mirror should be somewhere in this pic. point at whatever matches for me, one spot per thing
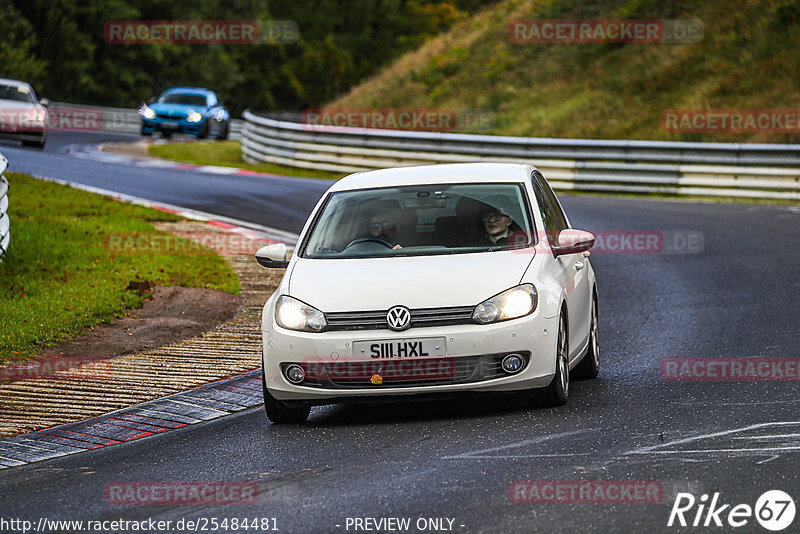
(272, 256)
(572, 241)
(44, 102)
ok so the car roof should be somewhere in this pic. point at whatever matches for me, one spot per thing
(7, 81)
(436, 174)
(188, 90)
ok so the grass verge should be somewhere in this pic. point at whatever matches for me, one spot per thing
(59, 277)
(600, 90)
(228, 154)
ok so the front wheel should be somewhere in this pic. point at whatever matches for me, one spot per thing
(557, 392)
(35, 144)
(224, 131)
(203, 134)
(589, 366)
(280, 412)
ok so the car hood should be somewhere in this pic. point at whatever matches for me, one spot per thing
(416, 282)
(175, 110)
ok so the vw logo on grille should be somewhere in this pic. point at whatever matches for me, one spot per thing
(398, 318)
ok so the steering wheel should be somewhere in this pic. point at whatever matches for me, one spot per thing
(369, 240)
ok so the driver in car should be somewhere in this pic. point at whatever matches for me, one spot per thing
(384, 226)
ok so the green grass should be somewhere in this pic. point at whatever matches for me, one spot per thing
(228, 154)
(59, 277)
(747, 59)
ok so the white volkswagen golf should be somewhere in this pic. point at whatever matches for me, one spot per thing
(430, 280)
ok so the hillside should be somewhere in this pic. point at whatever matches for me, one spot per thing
(748, 58)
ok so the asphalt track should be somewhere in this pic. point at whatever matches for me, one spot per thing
(273, 202)
(738, 297)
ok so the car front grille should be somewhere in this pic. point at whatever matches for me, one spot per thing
(399, 373)
(376, 320)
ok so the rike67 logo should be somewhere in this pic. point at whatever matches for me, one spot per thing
(774, 510)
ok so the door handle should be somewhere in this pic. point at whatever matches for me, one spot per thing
(578, 265)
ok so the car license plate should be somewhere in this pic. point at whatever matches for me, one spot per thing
(170, 124)
(400, 348)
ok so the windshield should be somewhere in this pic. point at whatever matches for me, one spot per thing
(421, 220)
(178, 98)
(18, 93)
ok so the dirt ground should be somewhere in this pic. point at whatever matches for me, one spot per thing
(134, 150)
(173, 314)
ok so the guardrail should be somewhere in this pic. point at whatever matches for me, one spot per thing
(63, 115)
(704, 169)
(5, 224)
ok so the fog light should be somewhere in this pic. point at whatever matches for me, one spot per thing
(294, 374)
(512, 363)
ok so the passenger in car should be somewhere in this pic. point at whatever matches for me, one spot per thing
(496, 223)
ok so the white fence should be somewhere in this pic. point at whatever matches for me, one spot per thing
(705, 169)
(5, 224)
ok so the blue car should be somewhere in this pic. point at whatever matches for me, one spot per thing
(187, 110)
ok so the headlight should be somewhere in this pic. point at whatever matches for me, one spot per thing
(193, 116)
(38, 115)
(293, 314)
(510, 304)
(145, 111)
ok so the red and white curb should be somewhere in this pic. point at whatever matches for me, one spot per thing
(204, 403)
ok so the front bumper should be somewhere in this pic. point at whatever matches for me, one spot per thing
(31, 132)
(181, 126)
(533, 335)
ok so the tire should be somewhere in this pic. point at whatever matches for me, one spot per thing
(557, 392)
(224, 131)
(281, 412)
(589, 366)
(203, 134)
(35, 144)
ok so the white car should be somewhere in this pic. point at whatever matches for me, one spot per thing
(436, 279)
(22, 116)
